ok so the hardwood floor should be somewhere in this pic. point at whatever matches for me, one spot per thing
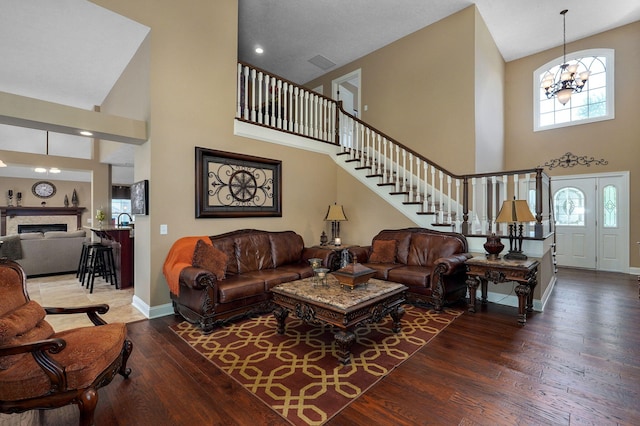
(578, 363)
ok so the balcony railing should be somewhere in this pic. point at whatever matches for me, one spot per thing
(465, 203)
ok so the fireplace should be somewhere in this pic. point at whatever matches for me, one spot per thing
(11, 217)
(43, 227)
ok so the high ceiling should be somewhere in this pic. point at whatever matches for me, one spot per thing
(73, 51)
(292, 32)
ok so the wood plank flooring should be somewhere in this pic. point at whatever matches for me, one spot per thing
(577, 363)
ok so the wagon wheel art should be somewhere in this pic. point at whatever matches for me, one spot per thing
(241, 185)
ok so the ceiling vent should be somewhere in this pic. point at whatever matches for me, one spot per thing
(322, 62)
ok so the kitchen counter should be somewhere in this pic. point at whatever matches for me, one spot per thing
(121, 239)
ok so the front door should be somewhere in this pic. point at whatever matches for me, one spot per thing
(591, 214)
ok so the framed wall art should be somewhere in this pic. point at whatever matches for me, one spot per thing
(237, 185)
(140, 198)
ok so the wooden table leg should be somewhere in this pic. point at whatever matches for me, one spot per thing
(472, 283)
(344, 340)
(281, 315)
(484, 284)
(396, 316)
(523, 291)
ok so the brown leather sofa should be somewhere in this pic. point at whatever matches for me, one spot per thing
(217, 279)
(430, 263)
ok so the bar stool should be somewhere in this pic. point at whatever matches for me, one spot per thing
(102, 264)
(84, 259)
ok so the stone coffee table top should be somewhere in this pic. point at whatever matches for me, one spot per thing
(334, 294)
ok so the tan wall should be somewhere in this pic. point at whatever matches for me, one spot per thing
(489, 101)
(83, 189)
(617, 140)
(367, 213)
(419, 90)
(192, 96)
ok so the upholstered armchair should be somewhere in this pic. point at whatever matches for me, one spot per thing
(42, 369)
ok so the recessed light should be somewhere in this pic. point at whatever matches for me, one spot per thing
(86, 133)
(54, 170)
(40, 170)
(259, 50)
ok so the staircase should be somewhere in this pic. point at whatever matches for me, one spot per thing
(425, 192)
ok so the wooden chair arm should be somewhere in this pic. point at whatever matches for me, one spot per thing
(91, 311)
(52, 345)
(40, 350)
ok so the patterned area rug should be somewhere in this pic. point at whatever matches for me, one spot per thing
(298, 374)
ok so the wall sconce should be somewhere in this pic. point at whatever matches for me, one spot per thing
(335, 215)
(515, 212)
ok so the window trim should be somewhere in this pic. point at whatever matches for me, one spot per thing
(609, 54)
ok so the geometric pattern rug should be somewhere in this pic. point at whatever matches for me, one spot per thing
(298, 374)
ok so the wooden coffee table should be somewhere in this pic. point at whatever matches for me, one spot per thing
(340, 307)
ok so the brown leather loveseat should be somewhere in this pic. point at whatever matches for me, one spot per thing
(430, 263)
(221, 278)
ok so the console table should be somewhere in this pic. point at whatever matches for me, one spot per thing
(481, 270)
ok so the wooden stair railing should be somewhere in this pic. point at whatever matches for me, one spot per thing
(466, 203)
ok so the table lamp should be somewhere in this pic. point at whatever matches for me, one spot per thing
(515, 212)
(335, 215)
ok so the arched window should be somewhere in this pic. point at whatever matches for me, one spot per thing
(610, 206)
(594, 103)
(569, 207)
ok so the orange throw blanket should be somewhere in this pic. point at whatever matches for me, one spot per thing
(180, 256)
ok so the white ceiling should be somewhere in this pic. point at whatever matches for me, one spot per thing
(73, 51)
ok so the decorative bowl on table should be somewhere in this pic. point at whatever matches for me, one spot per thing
(354, 274)
(315, 263)
(320, 276)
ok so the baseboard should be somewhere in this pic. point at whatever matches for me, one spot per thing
(538, 305)
(152, 312)
(634, 271)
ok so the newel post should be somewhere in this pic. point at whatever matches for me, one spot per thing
(538, 225)
(465, 206)
(337, 127)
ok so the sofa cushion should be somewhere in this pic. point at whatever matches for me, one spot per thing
(31, 236)
(64, 234)
(23, 324)
(384, 251)
(88, 351)
(419, 250)
(239, 287)
(11, 247)
(210, 258)
(382, 269)
(412, 276)
(402, 237)
(443, 246)
(228, 246)
(273, 277)
(286, 246)
(302, 269)
(253, 252)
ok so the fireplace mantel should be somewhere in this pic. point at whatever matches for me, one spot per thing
(38, 211)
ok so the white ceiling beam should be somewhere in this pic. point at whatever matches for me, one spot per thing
(33, 113)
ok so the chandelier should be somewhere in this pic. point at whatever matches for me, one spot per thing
(567, 80)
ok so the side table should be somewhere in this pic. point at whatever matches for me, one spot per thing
(481, 270)
(338, 250)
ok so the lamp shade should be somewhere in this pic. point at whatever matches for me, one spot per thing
(515, 211)
(335, 213)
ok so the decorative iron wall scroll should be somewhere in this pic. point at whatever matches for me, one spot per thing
(571, 160)
(237, 185)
